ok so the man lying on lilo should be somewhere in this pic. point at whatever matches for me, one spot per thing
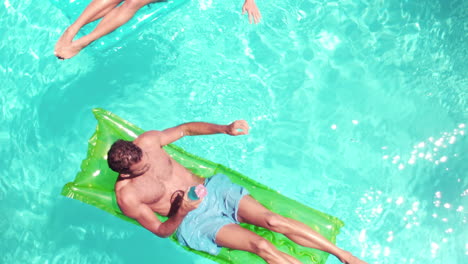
(113, 16)
(151, 181)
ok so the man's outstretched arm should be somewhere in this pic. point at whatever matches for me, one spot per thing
(236, 128)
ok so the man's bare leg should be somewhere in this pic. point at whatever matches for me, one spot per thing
(112, 20)
(95, 10)
(252, 212)
(235, 237)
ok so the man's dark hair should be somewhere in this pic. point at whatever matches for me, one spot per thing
(122, 155)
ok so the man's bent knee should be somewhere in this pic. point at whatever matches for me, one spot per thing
(275, 222)
(262, 247)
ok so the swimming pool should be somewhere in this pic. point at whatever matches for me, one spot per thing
(358, 109)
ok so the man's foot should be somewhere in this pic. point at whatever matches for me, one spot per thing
(65, 39)
(68, 51)
(348, 258)
(65, 43)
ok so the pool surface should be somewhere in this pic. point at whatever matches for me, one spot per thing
(357, 108)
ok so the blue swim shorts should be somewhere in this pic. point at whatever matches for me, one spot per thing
(219, 207)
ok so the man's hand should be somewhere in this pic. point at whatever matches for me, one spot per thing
(252, 10)
(239, 127)
(188, 204)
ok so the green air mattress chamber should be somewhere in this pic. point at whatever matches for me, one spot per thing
(115, 40)
(94, 185)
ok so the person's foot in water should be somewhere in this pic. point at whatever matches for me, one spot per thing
(68, 51)
(64, 41)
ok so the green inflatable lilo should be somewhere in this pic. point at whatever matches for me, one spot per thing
(94, 185)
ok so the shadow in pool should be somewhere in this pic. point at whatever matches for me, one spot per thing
(94, 232)
(112, 80)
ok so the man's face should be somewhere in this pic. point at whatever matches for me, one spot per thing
(140, 167)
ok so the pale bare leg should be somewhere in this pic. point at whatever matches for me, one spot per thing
(235, 237)
(252, 212)
(95, 10)
(113, 19)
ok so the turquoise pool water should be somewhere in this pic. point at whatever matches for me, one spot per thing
(357, 108)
